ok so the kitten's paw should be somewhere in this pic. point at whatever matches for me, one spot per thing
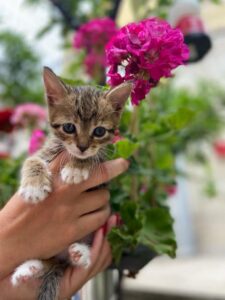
(74, 175)
(34, 194)
(30, 269)
(85, 174)
(79, 255)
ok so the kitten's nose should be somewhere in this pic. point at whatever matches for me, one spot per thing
(82, 148)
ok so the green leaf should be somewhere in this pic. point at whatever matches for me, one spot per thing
(157, 232)
(180, 118)
(125, 148)
(130, 216)
(120, 240)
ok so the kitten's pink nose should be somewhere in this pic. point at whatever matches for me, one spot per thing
(82, 148)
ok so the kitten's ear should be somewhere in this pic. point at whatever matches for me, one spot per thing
(119, 95)
(54, 88)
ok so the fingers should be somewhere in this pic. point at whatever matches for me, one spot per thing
(92, 201)
(94, 220)
(58, 162)
(97, 244)
(105, 172)
(102, 258)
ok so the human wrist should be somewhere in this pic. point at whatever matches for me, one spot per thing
(10, 254)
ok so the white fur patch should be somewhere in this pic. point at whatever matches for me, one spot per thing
(34, 194)
(74, 175)
(30, 269)
(79, 255)
(85, 173)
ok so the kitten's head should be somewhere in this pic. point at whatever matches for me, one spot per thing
(83, 118)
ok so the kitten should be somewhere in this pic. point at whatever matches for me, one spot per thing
(83, 121)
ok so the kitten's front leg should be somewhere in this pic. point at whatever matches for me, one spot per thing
(36, 181)
(71, 173)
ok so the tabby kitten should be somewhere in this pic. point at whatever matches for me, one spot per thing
(83, 121)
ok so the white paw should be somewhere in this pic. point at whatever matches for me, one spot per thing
(74, 175)
(85, 174)
(79, 255)
(34, 194)
(30, 269)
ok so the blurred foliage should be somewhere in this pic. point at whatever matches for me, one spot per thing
(20, 79)
(9, 179)
(143, 9)
(70, 14)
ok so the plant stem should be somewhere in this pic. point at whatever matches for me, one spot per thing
(134, 128)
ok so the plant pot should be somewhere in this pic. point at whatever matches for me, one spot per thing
(134, 261)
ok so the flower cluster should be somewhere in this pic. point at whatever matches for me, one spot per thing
(29, 114)
(144, 52)
(93, 36)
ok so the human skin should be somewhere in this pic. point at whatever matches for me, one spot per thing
(74, 277)
(45, 229)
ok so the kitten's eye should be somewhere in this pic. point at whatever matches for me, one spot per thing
(99, 131)
(69, 128)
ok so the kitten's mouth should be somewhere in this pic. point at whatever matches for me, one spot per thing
(80, 155)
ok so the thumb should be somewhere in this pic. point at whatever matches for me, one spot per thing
(58, 162)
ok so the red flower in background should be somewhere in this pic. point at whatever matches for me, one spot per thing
(4, 155)
(219, 148)
(5, 120)
(144, 52)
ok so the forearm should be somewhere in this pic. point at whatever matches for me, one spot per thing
(11, 252)
(27, 291)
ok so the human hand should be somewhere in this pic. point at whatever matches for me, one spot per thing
(74, 277)
(68, 214)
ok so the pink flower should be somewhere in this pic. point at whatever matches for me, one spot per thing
(171, 190)
(146, 51)
(95, 33)
(92, 37)
(219, 147)
(36, 141)
(117, 137)
(29, 114)
(93, 61)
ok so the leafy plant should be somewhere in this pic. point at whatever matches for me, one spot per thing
(9, 178)
(167, 123)
(19, 72)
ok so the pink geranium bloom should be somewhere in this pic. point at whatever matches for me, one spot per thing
(146, 51)
(95, 33)
(92, 37)
(36, 141)
(29, 114)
